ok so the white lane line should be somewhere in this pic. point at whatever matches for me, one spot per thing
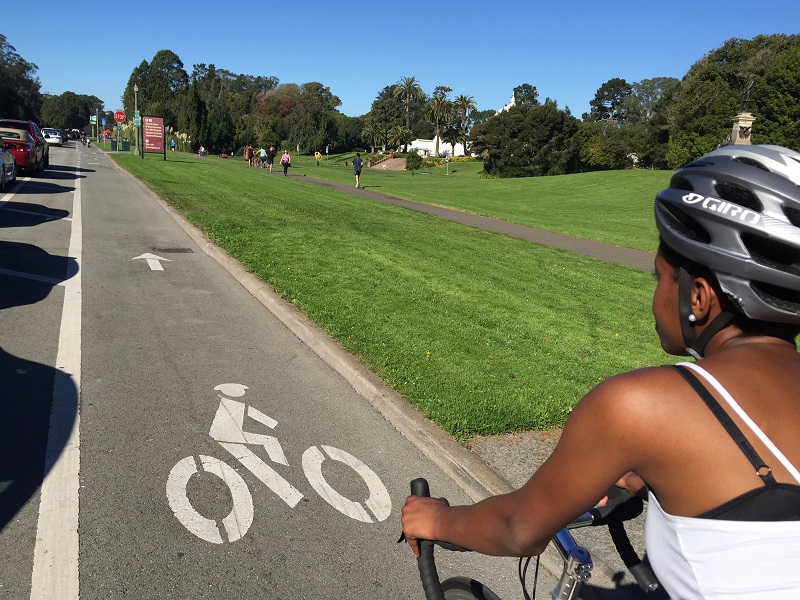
(55, 556)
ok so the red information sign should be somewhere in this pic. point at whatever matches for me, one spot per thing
(119, 116)
(153, 134)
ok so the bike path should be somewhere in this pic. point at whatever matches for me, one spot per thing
(478, 474)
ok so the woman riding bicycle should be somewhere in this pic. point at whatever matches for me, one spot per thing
(724, 515)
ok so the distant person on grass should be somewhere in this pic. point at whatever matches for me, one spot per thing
(357, 169)
(270, 157)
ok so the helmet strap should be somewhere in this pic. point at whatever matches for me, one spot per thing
(696, 345)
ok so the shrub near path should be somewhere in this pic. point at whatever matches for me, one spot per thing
(486, 334)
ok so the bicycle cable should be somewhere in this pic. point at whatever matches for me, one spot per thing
(522, 571)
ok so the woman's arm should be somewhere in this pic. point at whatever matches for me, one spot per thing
(597, 447)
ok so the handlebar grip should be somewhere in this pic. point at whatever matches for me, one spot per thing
(644, 577)
(419, 487)
(428, 574)
(621, 506)
(640, 571)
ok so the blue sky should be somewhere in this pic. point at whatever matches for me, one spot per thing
(566, 48)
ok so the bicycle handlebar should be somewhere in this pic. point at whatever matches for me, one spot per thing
(621, 506)
(425, 563)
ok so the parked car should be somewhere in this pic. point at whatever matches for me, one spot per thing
(28, 153)
(35, 132)
(53, 136)
(8, 167)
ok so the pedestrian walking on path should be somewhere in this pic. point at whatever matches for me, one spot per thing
(357, 169)
(286, 160)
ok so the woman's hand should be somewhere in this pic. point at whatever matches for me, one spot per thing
(419, 516)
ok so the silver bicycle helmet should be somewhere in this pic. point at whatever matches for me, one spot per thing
(736, 211)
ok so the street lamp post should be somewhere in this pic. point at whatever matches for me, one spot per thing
(136, 112)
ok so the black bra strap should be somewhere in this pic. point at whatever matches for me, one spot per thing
(762, 470)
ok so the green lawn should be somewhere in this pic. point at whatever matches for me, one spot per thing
(486, 334)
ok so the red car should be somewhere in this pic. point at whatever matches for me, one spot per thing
(35, 132)
(28, 154)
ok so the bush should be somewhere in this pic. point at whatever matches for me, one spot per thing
(413, 162)
(431, 162)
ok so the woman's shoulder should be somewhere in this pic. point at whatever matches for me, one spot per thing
(640, 394)
(638, 381)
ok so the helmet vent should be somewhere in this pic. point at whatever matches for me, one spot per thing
(679, 183)
(749, 161)
(684, 224)
(780, 298)
(733, 192)
(793, 215)
(773, 254)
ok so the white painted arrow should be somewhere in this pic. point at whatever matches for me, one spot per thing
(153, 261)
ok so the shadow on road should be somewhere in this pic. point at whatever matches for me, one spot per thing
(27, 275)
(25, 214)
(26, 394)
(29, 272)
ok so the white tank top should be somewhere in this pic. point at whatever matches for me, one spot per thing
(713, 559)
(717, 559)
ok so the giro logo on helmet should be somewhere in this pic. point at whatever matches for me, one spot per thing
(722, 207)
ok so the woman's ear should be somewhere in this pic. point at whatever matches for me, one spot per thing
(705, 300)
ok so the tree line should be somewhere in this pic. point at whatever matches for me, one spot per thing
(655, 123)
(659, 123)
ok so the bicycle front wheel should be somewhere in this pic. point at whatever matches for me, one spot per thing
(464, 588)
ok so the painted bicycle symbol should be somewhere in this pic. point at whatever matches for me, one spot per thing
(228, 430)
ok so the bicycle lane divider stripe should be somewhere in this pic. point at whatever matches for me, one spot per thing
(55, 556)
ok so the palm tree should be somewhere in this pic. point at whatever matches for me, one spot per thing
(408, 89)
(452, 135)
(399, 136)
(371, 135)
(440, 110)
(464, 106)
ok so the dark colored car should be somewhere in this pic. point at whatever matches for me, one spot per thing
(28, 154)
(8, 167)
(34, 130)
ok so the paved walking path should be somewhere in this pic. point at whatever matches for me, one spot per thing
(624, 256)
